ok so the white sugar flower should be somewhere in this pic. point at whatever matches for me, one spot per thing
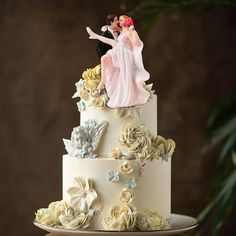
(82, 194)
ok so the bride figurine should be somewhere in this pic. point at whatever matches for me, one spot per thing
(122, 70)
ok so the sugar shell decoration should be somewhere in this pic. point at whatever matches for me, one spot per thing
(90, 95)
(85, 139)
(83, 207)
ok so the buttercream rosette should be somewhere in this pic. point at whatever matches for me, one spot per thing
(121, 218)
(150, 220)
(127, 196)
(137, 140)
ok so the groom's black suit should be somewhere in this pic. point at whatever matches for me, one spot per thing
(102, 48)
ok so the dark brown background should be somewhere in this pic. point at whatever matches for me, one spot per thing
(43, 51)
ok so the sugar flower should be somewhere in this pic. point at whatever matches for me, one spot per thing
(92, 77)
(72, 219)
(120, 218)
(79, 87)
(82, 194)
(46, 217)
(116, 153)
(57, 208)
(131, 183)
(113, 176)
(136, 139)
(164, 148)
(100, 102)
(81, 106)
(83, 94)
(126, 167)
(127, 196)
(150, 220)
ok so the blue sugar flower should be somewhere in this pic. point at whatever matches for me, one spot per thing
(80, 85)
(113, 176)
(81, 106)
(165, 157)
(131, 183)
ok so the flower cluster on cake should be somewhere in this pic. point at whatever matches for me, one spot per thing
(117, 170)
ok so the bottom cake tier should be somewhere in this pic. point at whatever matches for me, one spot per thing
(115, 192)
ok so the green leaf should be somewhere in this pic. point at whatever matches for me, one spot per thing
(222, 132)
(222, 113)
(228, 147)
(227, 185)
(223, 211)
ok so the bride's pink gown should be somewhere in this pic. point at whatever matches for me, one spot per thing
(123, 74)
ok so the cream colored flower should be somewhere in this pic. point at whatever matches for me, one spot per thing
(127, 196)
(150, 220)
(164, 148)
(92, 77)
(136, 139)
(95, 93)
(100, 102)
(116, 153)
(83, 94)
(46, 217)
(126, 167)
(82, 194)
(74, 220)
(57, 208)
(121, 218)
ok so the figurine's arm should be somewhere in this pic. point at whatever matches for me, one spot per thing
(92, 35)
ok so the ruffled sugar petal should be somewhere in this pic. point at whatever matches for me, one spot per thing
(170, 146)
(80, 183)
(90, 198)
(88, 185)
(79, 203)
(73, 191)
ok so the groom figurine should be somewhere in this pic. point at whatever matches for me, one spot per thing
(111, 30)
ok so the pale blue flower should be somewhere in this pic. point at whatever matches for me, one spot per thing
(81, 106)
(131, 183)
(113, 176)
(165, 157)
(80, 85)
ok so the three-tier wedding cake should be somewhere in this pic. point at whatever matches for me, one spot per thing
(117, 170)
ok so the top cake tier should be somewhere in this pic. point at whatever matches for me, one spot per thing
(117, 120)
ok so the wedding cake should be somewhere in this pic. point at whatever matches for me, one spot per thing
(117, 170)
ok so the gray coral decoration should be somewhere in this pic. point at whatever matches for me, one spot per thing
(85, 139)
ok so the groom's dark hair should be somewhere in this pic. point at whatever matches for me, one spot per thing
(110, 18)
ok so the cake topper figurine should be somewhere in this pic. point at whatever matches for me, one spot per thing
(122, 70)
(111, 30)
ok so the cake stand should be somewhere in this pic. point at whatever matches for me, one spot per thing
(178, 224)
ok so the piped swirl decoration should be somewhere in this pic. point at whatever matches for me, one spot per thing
(143, 146)
(83, 207)
(136, 139)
